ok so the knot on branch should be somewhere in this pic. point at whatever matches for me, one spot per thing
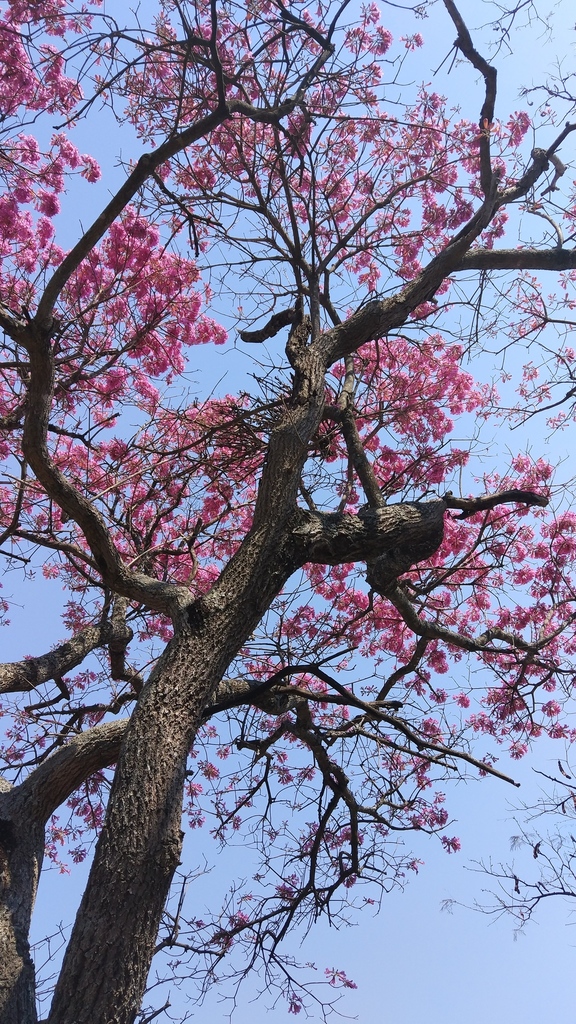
(540, 158)
(417, 545)
(559, 170)
(269, 696)
(389, 539)
(383, 572)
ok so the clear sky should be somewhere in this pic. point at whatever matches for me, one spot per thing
(413, 962)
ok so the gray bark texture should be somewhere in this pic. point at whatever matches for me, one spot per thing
(21, 853)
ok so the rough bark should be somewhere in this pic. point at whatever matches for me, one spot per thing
(20, 676)
(401, 534)
(139, 848)
(21, 852)
(137, 853)
(518, 259)
(140, 845)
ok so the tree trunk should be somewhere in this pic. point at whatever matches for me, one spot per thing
(108, 957)
(21, 852)
(107, 961)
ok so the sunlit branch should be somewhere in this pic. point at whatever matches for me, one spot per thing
(517, 259)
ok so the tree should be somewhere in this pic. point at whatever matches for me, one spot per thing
(230, 559)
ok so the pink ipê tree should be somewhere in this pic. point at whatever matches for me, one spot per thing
(273, 587)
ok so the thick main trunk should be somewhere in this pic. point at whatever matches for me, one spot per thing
(106, 965)
(108, 957)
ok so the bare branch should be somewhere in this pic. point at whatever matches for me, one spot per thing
(466, 46)
(432, 631)
(150, 162)
(470, 506)
(21, 676)
(276, 322)
(517, 259)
